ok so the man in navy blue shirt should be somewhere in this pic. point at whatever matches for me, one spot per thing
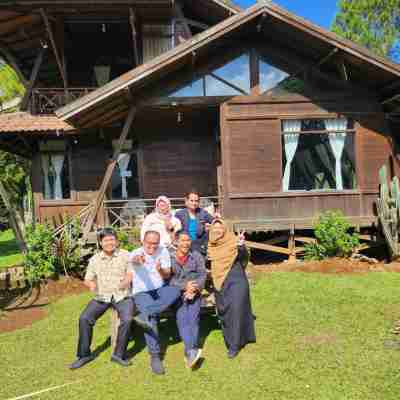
(195, 221)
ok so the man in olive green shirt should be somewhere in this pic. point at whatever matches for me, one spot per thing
(108, 276)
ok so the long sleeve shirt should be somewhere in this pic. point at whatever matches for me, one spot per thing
(193, 270)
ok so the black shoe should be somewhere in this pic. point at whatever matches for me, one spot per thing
(192, 357)
(143, 322)
(232, 353)
(120, 361)
(80, 362)
(157, 365)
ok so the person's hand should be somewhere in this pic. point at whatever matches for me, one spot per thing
(125, 283)
(192, 287)
(159, 269)
(92, 286)
(241, 238)
(207, 227)
(168, 225)
(139, 259)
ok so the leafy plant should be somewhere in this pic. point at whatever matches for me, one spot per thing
(40, 260)
(334, 237)
(129, 239)
(68, 249)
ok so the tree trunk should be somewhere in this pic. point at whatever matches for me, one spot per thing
(16, 221)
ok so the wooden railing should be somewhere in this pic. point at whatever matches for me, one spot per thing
(125, 214)
(47, 100)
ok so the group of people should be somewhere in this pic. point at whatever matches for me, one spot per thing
(169, 271)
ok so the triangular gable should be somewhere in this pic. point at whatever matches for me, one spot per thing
(322, 43)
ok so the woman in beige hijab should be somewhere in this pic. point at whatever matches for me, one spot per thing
(232, 293)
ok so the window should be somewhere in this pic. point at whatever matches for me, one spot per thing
(125, 179)
(56, 182)
(230, 79)
(157, 39)
(318, 154)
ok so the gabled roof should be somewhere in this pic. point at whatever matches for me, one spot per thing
(23, 31)
(285, 29)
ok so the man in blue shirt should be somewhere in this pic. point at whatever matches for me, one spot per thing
(195, 221)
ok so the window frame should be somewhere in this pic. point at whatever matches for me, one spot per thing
(352, 131)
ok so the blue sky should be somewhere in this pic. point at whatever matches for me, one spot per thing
(320, 12)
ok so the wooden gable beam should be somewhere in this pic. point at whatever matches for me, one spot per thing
(54, 46)
(132, 21)
(97, 202)
(33, 78)
(14, 62)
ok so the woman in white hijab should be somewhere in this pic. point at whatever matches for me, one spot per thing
(162, 221)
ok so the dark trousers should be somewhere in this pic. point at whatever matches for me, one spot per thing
(151, 304)
(188, 319)
(93, 311)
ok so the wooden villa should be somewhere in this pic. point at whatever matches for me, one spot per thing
(273, 117)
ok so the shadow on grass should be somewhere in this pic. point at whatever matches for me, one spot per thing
(169, 334)
(9, 248)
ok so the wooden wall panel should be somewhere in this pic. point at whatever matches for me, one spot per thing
(254, 156)
(374, 150)
(178, 155)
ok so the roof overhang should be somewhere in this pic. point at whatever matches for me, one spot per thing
(314, 42)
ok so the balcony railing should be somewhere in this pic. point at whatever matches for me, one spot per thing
(125, 214)
(47, 100)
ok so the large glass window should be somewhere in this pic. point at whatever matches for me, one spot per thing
(56, 182)
(318, 155)
(230, 79)
(270, 76)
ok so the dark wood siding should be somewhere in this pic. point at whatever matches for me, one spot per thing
(178, 156)
(252, 158)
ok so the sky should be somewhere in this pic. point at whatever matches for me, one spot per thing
(320, 12)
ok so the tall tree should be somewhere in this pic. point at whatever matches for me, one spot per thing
(374, 24)
(10, 85)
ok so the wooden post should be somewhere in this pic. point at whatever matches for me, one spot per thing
(114, 325)
(108, 174)
(132, 20)
(54, 46)
(292, 246)
(254, 72)
(32, 80)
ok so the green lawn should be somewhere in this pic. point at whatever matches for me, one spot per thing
(319, 337)
(9, 252)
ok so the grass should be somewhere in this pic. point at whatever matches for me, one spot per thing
(319, 337)
(9, 251)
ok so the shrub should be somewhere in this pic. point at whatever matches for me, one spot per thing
(334, 237)
(68, 249)
(40, 260)
(129, 239)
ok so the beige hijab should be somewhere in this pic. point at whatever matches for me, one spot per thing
(222, 251)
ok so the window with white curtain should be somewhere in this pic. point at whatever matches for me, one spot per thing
(318, 154)
(56, 182)
(125, 178)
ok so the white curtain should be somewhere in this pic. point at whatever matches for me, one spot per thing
(123, 163)
(58, 162)
(157, 39)
(291, 142)
(46, 170)
(337, 138)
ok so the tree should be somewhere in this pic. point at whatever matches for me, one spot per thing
(10, 85)
(374, 24)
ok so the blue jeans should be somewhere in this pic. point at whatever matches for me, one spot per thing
(188, 319)
(151, 304)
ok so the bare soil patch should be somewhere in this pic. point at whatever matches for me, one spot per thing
(330, 266)
(20, 308)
